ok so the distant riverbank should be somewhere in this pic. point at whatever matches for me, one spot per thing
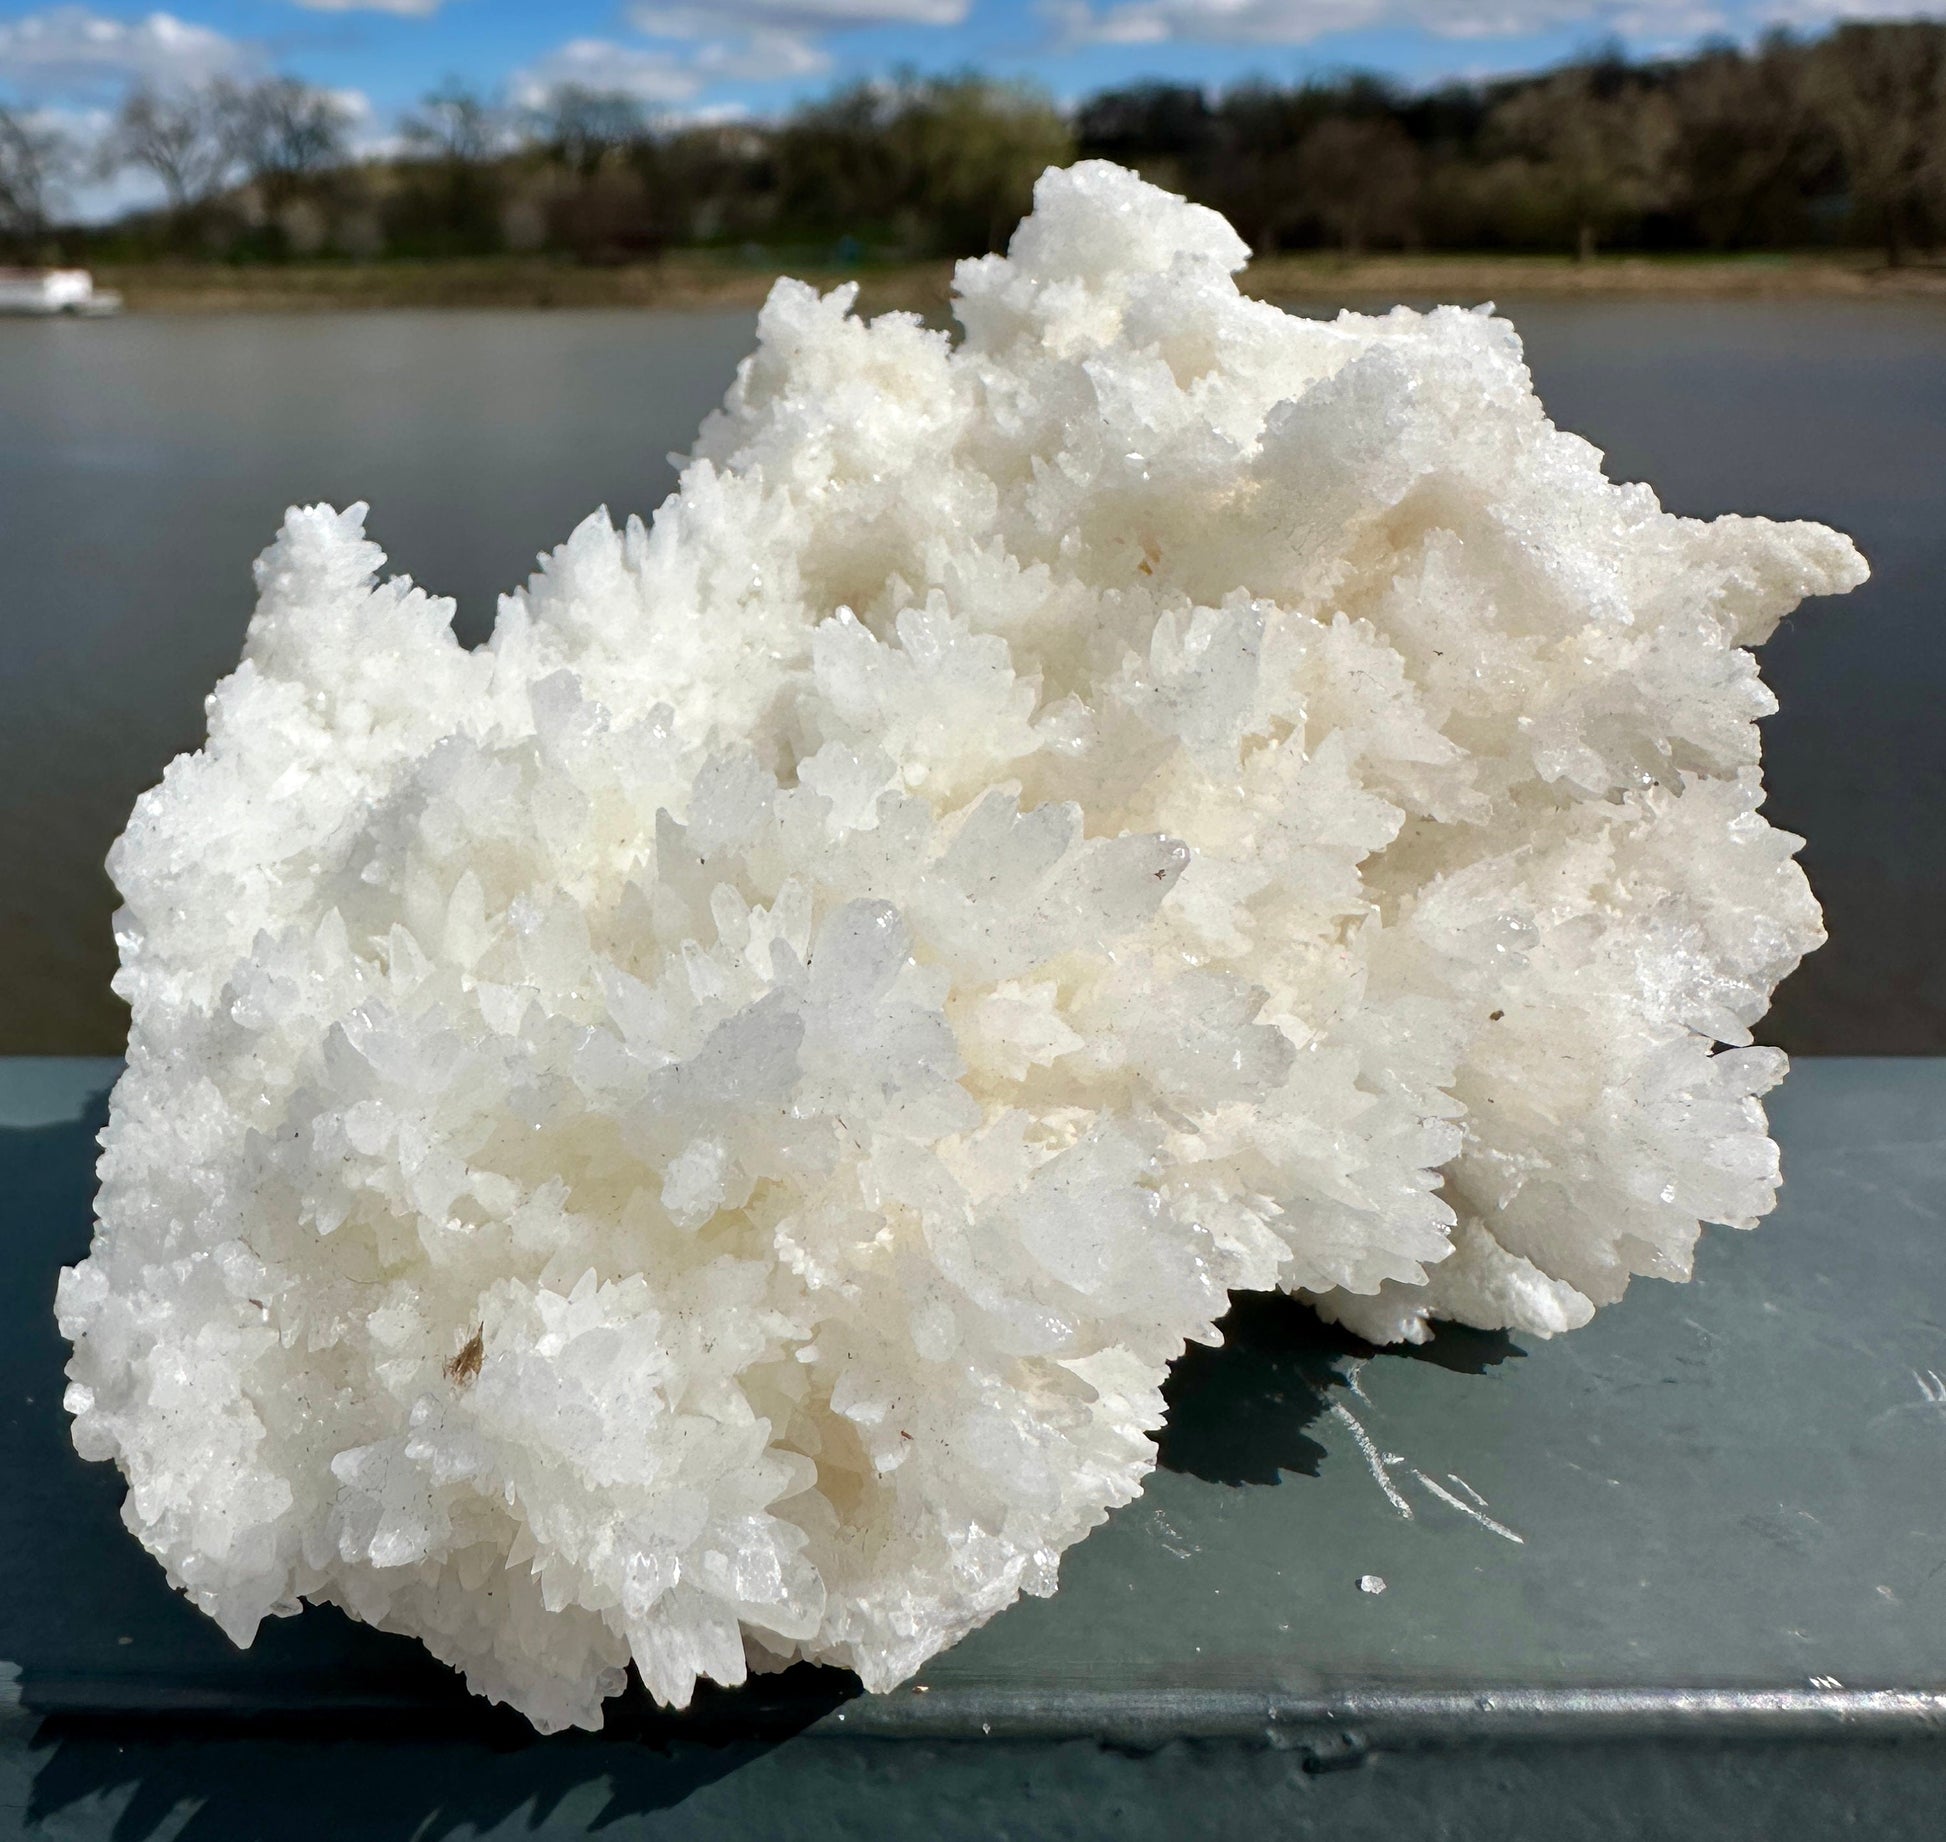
(686, 280)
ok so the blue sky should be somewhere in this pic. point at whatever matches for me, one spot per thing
(73, 61)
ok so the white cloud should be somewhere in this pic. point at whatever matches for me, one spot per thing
(655, 77)
(1811, 14)
(75, 53)
(708, 42)
(404, 9)
(1656, 23)
(717, 18)
(368, 136)
(1154, 22)
(713, 114)
(764, 57)
(664, 76)
(703, 43)
(81, 191)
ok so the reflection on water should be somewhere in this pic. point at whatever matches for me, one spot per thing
(144, 462)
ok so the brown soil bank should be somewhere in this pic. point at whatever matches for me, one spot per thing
(682, 281)
(678, 281)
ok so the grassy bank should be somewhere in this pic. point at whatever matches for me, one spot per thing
(683, 280)
(692, 280)
(1359, 281)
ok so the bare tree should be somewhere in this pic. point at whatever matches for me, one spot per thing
(1750, 151)
(941, 163)
(1780, 145)
(448, 200)
(1882, 91)
(1360, 180)
(35, 160)
(583, 127)
(456, 125)
(187, 139)
(1600, 142)
(287, 132)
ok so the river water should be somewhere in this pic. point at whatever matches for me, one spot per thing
(145, 461)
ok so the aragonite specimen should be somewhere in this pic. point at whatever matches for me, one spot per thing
(694, 1131)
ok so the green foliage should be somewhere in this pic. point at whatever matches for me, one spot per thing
(1784, 145)
(1881, 93)
(1781, 146)
(935, 166)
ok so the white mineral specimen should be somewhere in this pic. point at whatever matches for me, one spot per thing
(694, 1131)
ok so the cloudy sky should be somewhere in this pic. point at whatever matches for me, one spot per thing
(73, 62)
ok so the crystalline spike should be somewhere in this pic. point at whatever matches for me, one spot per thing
(696, 1129)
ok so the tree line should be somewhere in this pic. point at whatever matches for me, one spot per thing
(1790, 144)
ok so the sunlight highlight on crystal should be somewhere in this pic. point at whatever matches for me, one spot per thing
(693, 1133)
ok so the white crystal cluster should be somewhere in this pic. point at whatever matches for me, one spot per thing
(694, 1131)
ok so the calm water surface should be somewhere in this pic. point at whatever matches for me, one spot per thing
(144, 462)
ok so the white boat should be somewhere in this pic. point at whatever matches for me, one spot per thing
(55, 291)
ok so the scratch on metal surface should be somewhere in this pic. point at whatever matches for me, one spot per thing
(1932, 1394)
(1466, 1509)
(1171, 1535)
(1375, 1460)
